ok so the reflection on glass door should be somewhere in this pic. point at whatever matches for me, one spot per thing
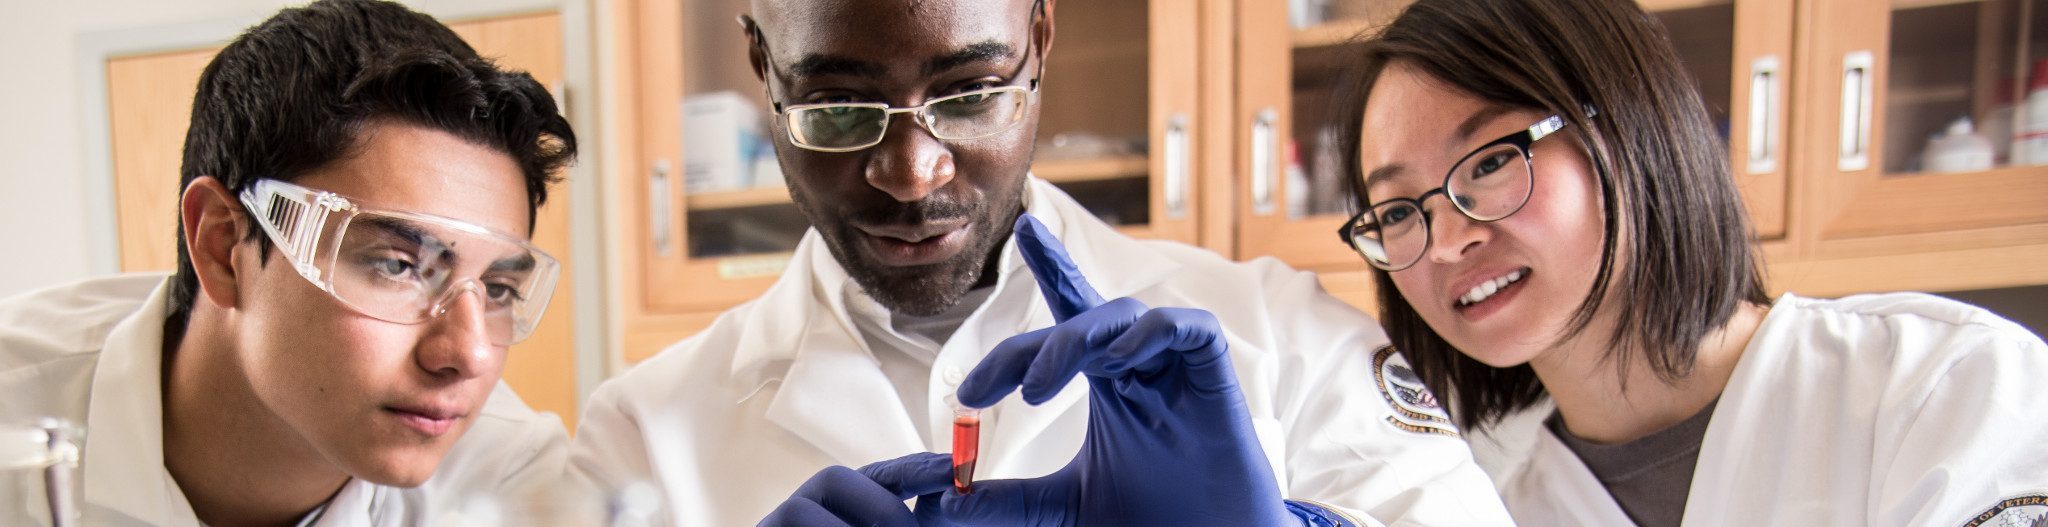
(1967, 86)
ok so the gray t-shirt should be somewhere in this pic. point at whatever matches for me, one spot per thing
(1650, 476)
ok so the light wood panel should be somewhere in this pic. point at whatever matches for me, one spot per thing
(149, 105)
(543, 368)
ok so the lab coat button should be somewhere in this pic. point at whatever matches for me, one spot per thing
(954, 375)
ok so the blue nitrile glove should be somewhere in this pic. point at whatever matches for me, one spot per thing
(872, 495)
(1170, 438)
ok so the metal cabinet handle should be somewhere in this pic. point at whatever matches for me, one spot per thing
(1177, 162)
(1764, 125)
(1856, 109)
(1264, 144)
(658, 208)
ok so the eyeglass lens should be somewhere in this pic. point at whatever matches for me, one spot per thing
(965, 116)
(1488, 185)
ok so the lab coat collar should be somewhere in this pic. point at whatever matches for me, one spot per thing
(1553, 470)
(801, 336)
(123, 459)
(833, 386)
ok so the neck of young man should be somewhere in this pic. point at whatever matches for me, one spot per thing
(236, 462)
(1604, 406)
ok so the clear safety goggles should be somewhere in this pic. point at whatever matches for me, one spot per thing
(405, 267)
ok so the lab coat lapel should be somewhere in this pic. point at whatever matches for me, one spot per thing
(832, 394)
(123, 459)
(1115, 265)
(1557, 489)
(836, 398)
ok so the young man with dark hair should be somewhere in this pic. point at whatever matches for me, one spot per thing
(358, 190)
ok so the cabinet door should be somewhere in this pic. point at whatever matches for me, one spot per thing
(708, 217)
(1886, 93)
(1739, 51)
(149, 106)
(1883, 197)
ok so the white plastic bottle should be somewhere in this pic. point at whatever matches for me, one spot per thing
(2030, 141)
(1961, 149)
(1297, 183)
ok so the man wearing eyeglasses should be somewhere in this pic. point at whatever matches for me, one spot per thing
(358, 189)
(938, 271)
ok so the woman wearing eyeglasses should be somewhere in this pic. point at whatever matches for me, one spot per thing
(1562, 253)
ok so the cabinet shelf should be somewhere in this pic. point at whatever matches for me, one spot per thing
(737, 199)
(1057, 171)
(1091, 168)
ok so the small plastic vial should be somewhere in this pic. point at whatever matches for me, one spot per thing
(966, 445)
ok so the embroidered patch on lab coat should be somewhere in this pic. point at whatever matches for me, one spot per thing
(2025, 510)
(1415, 409)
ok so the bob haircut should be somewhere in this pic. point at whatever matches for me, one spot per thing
(1608, 68)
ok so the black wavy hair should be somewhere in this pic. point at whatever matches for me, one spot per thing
(295, 93)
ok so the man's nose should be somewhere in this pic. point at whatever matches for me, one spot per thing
(457, 343)
(910, 163)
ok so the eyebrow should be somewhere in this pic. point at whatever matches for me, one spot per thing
(400, 228)
(1384, 172)
(822, 65)
(521, 263)
(989, 51)
(413, 234)
(1472, 123)
(1462, 133)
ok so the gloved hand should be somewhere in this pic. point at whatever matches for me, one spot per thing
(871, 496)
(1169, 438)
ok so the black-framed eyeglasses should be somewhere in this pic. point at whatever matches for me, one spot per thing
(847, 127)
(1488, 184)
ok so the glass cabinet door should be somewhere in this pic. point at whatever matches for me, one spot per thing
(1116, 113)
(1739, 52)
(1930, 124)
(712, 223)
(1290, 195)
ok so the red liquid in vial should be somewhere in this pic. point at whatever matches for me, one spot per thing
(966, 447)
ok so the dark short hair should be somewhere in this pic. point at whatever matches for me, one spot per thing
(294, 93)
(1609, 69)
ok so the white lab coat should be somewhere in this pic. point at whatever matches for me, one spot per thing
(91, 353)
(1873, 410)
(726, 424)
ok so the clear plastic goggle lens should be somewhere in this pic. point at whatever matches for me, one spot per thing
(404, 267)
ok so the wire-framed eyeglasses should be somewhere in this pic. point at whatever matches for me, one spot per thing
(851, 126)
(1489, 184)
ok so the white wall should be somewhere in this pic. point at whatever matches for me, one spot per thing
(45, 211)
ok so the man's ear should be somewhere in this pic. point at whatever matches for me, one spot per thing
(752, 32)
(213, 223)
(1043, 32)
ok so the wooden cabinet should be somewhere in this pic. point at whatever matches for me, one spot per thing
(1773, 74)
(1876, 81)
(149, 105)
(707, 223)
(1239, 93)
